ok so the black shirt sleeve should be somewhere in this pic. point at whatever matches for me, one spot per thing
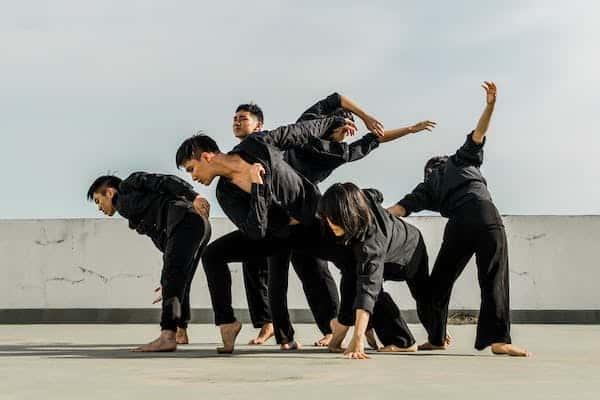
(341, 151)
(300, 133)
(346, 315)
(374, 194)
(369, 274)
(421, 198)
(322, 108)
(158, 183)
(362, 147)
(250, 217)
(470, 153)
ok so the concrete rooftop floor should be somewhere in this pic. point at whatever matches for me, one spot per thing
(93, 362)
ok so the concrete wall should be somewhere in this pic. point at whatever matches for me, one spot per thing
(100, 263)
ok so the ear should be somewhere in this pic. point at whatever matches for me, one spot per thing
(110, 192)
(259, 127)
(206, 156)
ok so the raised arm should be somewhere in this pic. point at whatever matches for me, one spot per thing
(301, 132)
(484, 120)
(332, 103)
(370, 122)
(323, 108)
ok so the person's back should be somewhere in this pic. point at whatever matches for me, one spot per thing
(175, 217)
(154, 203)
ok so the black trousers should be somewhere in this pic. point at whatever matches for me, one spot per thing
(318, 285)
(236, 247)
(181, 257)
(266, 284)
(256, 283)
(474, 229)
(387, 319)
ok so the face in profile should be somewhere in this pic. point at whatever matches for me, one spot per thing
(200, 168)
(245, 123)
(104, 200)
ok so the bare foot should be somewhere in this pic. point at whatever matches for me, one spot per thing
(324, 341)
(391, 348)
(165, 342)
(295, 345)
(505, 348)
(228, 333)
(371, 339)
(339, 333)
(449, 339)
(266, 333)
(181, 336)
(428, 346)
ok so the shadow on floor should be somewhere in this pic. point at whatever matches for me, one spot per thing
(123, 351)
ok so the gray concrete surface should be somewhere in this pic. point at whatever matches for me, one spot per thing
(101, 264)
(93, 362)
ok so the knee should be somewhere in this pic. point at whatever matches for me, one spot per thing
(210, 256)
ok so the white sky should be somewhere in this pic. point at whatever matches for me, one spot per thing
(88, 87)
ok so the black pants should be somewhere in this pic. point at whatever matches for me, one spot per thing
(475, 228)
(256, 283)
(260, 276)
(181, 256)
(318, 285)
(236, 247)
(387, 319)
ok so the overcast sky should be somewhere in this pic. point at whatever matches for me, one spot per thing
(94, 86)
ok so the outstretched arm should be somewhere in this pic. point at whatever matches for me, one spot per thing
(302, 132)
(400, 132)
(484, 121)
(421, 198)
(370, 122)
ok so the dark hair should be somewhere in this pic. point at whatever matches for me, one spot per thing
(345, 205)
(194, 146)
(434, 163)
(252, 109)
(101, 183)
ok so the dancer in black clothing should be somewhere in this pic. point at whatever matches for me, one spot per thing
(315, 160)
(377, 246)
(262, 195)
(175, 217)
(455, 187)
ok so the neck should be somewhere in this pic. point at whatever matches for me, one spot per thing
(229, 165)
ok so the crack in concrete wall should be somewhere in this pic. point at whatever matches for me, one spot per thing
(91, 273)
(45, 241)
(524, 274)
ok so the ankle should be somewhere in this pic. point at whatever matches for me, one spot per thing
(167, 334)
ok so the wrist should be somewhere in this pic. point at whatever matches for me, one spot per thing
(363, 115)
(359, 335)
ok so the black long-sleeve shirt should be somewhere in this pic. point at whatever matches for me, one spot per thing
(154, 204)
(267, 209)
(318, 158)
(451, 185)
(387, 240)
(327, 107)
